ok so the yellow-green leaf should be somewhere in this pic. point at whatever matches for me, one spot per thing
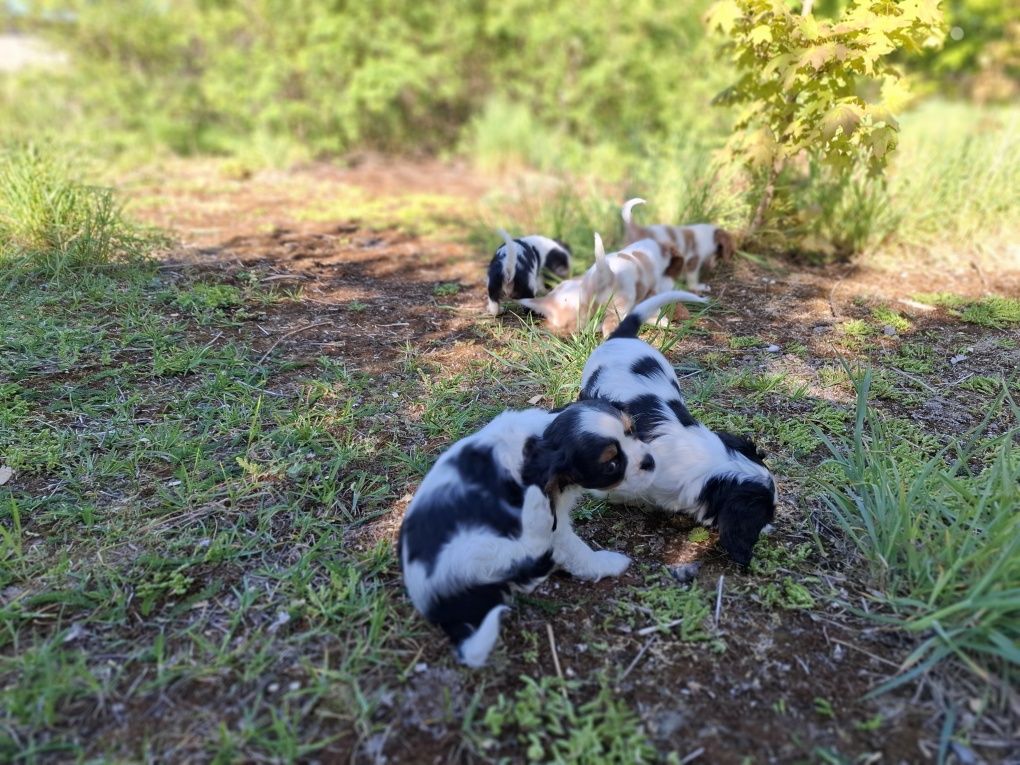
(723, 16)
(760, 34)
(845, 117)
(809, 28)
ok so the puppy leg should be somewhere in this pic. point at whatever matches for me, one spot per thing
(536, 522)
(494, 308)
(573, 555)
(475, 650)
(692, 280)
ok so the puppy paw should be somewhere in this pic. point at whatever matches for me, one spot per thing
(702, 288)
(607, 563)
(493, 308)
(536, 515)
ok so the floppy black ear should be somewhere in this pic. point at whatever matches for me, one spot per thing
(742, 511)
(544, 465)
(742, 445)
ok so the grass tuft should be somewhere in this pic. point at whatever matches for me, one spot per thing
(52, 223)
(941, 537)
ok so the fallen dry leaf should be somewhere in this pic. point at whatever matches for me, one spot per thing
(5, 474)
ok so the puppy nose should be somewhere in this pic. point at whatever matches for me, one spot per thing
(648, 463)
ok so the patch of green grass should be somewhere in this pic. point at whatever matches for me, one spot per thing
(986, 385)
(991, 311)
(771, 557)
(916, 358)
(785, 593)
(181, 474)
(741, 342)
(940, 536)
(542, 717)
(698, 534)
(445, 290)
(205, 297)
(681, 611)
(857, 329)
(888, 317)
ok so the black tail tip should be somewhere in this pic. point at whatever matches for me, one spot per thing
(627, 328)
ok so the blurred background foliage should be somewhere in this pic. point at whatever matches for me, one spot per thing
(613, 89)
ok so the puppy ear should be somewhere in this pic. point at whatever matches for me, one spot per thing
(742, 516)
(544, 466)
(724, 244)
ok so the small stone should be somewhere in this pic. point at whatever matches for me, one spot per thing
(964, 754)
(772, 349)
(282, 617)
(889, 329)
(74, 633)
(685, 572)
(957, 359)
(420, 667)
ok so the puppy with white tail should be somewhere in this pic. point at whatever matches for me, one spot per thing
(617, 281)
(516, 270)
(493, 515)
(719, 478)
(696, 246)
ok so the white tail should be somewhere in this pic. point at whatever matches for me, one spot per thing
(643, 311)
(510, 261)
(628, 206)
(474, 650)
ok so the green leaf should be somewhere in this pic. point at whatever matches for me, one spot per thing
(882, 139)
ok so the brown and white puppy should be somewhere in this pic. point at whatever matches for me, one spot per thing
(619, 281)
(697, 246)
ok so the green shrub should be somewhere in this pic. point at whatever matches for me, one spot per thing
(395, 75)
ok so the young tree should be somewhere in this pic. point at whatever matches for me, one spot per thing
(824, 87)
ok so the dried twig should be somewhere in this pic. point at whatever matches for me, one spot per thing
(285, 335)
(658, 627)
(636, 659)
(552, 645)
(718, 599)
(693, 755)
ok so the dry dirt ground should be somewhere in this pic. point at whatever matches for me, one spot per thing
(789, 687)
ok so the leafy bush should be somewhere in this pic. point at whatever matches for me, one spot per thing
(941, 537)
(334, 76)
(803, 82)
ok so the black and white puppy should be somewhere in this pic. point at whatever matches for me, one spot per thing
(493, 514)
(717, 477)
(516, 269)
